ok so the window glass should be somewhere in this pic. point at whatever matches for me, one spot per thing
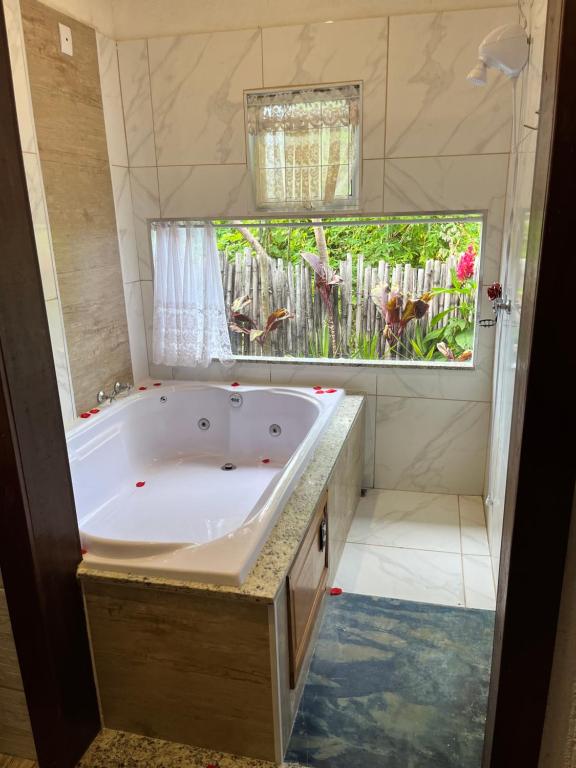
(304, 147)
(402, 289)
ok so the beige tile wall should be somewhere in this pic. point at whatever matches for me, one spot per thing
(166, 667)
(38, 207)
(68, 115)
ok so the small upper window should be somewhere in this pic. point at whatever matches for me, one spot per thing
(304, 147)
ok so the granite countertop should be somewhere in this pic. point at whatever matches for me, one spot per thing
(277, 554)
(118, 749)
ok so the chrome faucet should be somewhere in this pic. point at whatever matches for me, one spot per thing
(118, 389)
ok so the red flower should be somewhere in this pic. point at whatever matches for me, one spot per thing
(316, 387)
(94, 410)
(85, 415)
(331, 391)
(140, 484)
(335, 591)
(158, 384)
(465, 268)
(235, 384)
(265, 461)
(494, 291)
(142, 388)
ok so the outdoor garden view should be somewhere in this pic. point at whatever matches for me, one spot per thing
(372, 289)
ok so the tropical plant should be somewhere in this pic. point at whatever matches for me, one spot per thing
(423, 346)
(240, 322)
(396, 312)
(319, 343)
(366, 347)
(456, 337)
(325, 279)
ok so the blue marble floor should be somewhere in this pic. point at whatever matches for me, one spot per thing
(395, 684)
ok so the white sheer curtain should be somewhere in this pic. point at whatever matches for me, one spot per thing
(190, 324)
(304, 146)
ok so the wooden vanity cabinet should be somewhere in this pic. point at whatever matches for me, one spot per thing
(306, 585)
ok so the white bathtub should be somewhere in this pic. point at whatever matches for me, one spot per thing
(151, 495)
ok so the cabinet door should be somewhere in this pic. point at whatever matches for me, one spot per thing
(307, 585)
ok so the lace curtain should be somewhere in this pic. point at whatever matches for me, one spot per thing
(304, 146)
(190, 325)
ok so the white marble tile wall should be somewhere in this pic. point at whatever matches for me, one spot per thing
(198, 84)
(137, 102)
(126, 223)
(432, 108)
(333, 53)
(431, 142)
(38, 205)
(112, 100)
(147, 18)
(431, 445)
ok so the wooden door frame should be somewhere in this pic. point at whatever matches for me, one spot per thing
(39, 541)
(540, 482)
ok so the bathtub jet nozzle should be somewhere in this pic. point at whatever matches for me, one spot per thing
(228, 466)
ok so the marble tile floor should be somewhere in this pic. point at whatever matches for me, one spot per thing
(425, 547)
(395, 684)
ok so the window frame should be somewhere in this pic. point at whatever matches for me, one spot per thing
(477, 215)
(296, 208)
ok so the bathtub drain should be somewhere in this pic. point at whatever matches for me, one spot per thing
(228, 466)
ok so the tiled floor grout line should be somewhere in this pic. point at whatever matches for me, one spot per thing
(492, 576)
(480, 557)
(461, 552)
(407, 549)
(423, 493)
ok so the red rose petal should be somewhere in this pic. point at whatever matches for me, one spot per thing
(319, 391)
(331, 391)
(85, 415)
(94, 410)
(336, 591)
(235, 384)
(140, 484)
(265, 461)
(158, 384)
(83, 551)
(316, 387)
(141, 389)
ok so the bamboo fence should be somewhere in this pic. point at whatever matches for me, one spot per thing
(357, 319)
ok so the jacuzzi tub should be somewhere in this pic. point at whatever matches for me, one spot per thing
(185, 480)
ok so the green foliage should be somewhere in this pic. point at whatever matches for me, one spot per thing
(411, 242)
(424, 346)
(366, 347)
(406, 240)
(458, 332)
(319, 343)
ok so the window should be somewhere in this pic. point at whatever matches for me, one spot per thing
(372, 290)
(402, 289)
(304, 147)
